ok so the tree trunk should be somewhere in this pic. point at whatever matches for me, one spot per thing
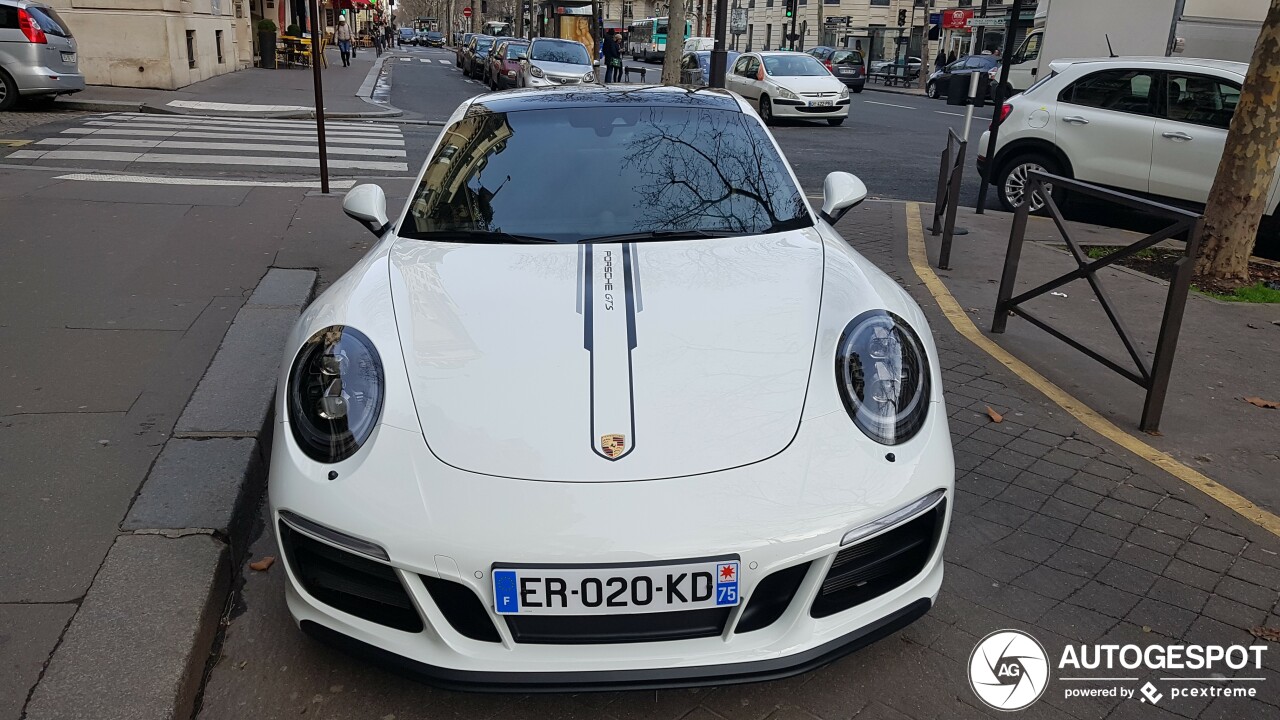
(1241, 188)
(675, 44)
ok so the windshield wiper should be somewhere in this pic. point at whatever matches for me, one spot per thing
(692, 234)
(482, 236)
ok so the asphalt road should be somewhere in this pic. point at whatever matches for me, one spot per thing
(891, 141)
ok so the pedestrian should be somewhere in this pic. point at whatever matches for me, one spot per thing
(612, 59)
(941, 60)
(376, 33)
(342, 36)
(951, 57)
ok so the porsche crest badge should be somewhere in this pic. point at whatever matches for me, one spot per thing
(613, 445)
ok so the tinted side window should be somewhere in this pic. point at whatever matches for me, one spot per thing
(1201, 100)
(740, 67)
(1120, 90)
(8, 17)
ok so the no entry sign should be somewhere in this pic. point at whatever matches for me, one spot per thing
(466, 12)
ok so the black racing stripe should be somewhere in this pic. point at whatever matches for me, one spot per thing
(628, 284)
(586, 305)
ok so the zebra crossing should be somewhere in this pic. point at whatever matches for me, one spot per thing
(230, 144)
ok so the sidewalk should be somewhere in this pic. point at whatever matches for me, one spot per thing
(254, 92)
(917, 90)
(1226, 351)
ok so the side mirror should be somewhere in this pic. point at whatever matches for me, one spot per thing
(840, 192)
(367, 204)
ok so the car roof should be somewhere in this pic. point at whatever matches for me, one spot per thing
(1237, 68)
(774, 53)
(582, 96)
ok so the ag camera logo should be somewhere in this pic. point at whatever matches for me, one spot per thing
(1008, 670)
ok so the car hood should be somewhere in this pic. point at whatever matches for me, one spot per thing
(564, 69)
(608, 362)
(808, 83)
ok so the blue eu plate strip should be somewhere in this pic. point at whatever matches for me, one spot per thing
(506, 596)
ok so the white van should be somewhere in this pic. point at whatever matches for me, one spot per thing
(694, 44)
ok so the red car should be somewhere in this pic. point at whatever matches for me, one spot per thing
(504, 63)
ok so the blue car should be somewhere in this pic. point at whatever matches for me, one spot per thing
(695, 67)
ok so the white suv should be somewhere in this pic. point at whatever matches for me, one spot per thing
(1153, 126)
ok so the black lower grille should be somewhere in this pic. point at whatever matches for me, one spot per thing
(771, 598)
(595, 629)
(353, 584)
(462, 608)
(872, 568)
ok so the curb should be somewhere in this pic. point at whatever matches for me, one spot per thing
(186, 533)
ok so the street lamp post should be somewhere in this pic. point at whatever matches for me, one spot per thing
(719, 54)
(317, 40)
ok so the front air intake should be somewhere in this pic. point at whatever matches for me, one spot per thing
(348, 582)
(871, 568)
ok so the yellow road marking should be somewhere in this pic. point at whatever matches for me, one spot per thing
(960, 321)
(14, 143)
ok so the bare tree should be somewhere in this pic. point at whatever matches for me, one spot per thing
(1240, 191)
(675, 44)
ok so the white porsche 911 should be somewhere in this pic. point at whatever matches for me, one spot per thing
(610, 405)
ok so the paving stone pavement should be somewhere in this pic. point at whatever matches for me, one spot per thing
(19, 119)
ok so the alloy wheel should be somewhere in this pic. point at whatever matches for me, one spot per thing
(1015, 185)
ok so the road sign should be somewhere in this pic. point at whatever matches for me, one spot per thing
(738, 21)
(466, 12)
(935, 18)
(988, 22)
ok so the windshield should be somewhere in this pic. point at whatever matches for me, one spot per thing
(516, 52)
(434, 35)
(658, 169)
(793, 65)
(847, 57)
(483, 46)
(560, 52)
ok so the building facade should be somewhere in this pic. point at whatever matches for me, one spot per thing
(164, 44)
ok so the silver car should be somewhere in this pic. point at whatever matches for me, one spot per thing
(37, 53)
(553, 63)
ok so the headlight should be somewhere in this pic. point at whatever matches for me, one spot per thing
(883, 376)
(335, 393)
(589, 77)
(844, 91)
(787, 94)
(536, 71)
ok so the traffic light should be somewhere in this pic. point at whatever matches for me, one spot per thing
(791, 8)
(902, 18)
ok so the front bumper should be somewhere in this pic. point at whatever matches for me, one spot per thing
(801, 109)
(551, 81)
(438, 523)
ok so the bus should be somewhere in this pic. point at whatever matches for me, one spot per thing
(497, 29)
(647, 39)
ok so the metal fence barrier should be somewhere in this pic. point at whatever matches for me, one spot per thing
(1153, 376)
(950, 173)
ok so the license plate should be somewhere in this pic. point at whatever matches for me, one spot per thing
(68, 57)
(615, 590)
(822, 103)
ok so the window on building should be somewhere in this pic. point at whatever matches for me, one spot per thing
(768, 3)
(768, 35)
(217, 41)
(879, 2)
(628, 9)
(191, 48)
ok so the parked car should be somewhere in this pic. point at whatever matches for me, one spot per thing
(694, 44)
(939, 83)
(695, 67)
(431, 38)
(744, 472)
(476, 59)
(38, 56)
(1154, 126)
(791, 85)
(407, 36)
(504, 63)
(553, 62)
(463, 41)
(847, 65)
(878, 66)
